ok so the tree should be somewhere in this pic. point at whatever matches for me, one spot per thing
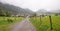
(35, 15)
(56, 14)
(7, 13)
(2, 13)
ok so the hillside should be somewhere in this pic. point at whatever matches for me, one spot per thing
(14, 10)
(45, 12)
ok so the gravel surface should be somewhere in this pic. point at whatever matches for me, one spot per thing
(25, 25)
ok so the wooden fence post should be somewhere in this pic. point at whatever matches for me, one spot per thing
(50, 23)
(40, 20)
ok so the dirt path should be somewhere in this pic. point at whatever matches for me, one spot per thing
(23, 26)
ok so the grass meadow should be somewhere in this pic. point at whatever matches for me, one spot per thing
(44, 24)
(4, 23)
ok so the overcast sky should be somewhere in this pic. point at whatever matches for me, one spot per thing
(34, 5)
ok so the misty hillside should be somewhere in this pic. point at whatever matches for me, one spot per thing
(45, 12)
(14, 9)
(41, 12)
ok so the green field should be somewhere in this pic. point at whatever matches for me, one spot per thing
(44, 25)
(4, 24)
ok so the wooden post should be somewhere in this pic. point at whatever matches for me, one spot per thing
(50, 23)
(35, 17)
(40, 20)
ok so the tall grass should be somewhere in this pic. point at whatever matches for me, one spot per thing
(45, 23)
(4, 24)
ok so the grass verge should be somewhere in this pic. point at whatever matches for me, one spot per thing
(4, 24)
(44, 24)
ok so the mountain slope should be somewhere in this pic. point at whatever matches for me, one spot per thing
(11, 9)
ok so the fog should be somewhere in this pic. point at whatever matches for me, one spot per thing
(34, 5)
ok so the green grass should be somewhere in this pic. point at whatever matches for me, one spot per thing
(4, 24)
(45, 23)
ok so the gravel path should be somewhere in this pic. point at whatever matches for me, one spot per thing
(25, 25)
